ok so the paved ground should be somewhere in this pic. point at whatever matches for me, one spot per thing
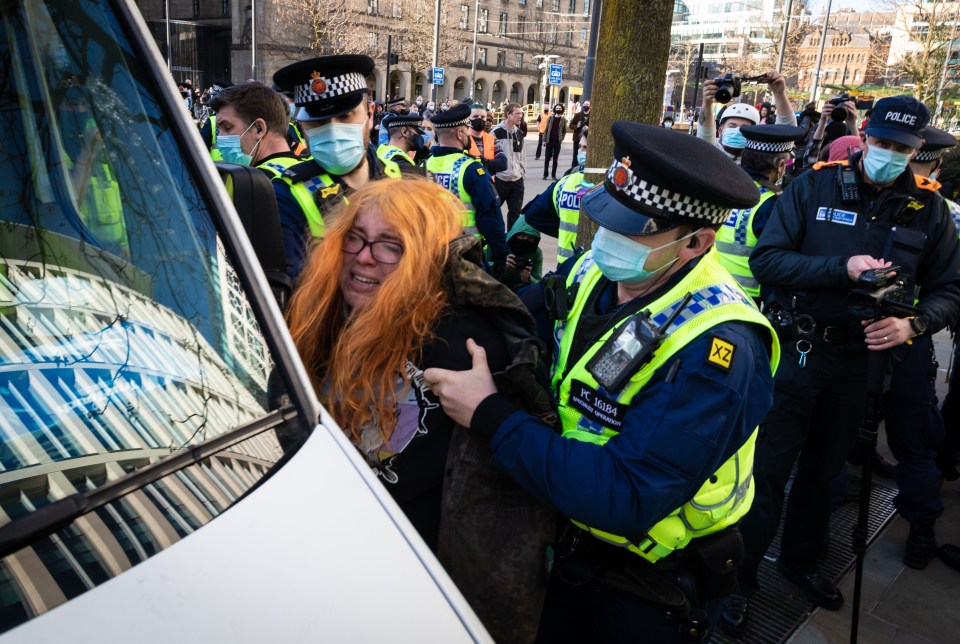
(899, 605)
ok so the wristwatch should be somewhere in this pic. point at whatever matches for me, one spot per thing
(918, 325)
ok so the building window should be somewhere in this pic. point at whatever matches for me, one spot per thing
(196, 8)
(586, 7)
(372, 7)
(556, 5)
(573, 6)
(569, 37)
(553, 34)
(583, 34)
(463, 52)
(482, 56)
(501, 58)
(521, 23)
(503, 24)
(372, 41)
(225, 8)
(484, 16)
(519, 59)
(464, 16)
(539, 4)
(523, 1)
(397, 10)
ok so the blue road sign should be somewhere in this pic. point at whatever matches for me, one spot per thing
(438, 75)
(556, 74)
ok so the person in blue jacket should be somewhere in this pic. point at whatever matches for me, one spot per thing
(653, 458)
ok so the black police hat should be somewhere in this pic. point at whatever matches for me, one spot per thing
(327, 86)
(900, 119)
(408, 119)
(220, 85)
(935, 143)
(771, 138)
(457, 115)
(661, 179)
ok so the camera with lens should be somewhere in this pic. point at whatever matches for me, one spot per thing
(839, 112)
(729, 88)
(881, 294)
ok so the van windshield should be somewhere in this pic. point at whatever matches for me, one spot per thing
(124, 331)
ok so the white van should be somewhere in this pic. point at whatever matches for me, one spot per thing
(148, 384)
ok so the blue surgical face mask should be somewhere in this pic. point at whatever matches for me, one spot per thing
(338, 147)
(423, 141)
(231, 150)
(883, 166)
(581, 158)
(732, 138)
(621, 259)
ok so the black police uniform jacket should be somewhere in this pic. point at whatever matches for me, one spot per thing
(812, 232)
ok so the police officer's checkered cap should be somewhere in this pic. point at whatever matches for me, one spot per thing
(672, 175)
(400, 120)
(935, 143)
(328, 85)
(454, 117)
(771, 138)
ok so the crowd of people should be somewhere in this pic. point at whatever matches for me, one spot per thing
(602, 451)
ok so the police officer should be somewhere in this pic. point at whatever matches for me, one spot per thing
(208, 127)
(913, 422)
(252, 121)
(829, 227)
(451, 167)
(335, 113)
(406, 140)
(556, 210)
(395, 106)
(764, 158)
(650, 430)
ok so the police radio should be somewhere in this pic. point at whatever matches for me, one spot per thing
(629, 348)
(849, 189)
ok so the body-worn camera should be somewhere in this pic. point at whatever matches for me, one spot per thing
(839, 112)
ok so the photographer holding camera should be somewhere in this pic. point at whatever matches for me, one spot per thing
(830, 227)
(838, 118)
(731, 117)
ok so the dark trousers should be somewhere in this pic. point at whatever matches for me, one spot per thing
(552, 152)
(951, 409)
(579, 613)
(816, 413)
(915, 430)
(539, 145)
(511, 193)
(576, 149)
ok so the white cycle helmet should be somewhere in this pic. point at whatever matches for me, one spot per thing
(740, 111)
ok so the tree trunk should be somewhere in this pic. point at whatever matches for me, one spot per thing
(632, 51)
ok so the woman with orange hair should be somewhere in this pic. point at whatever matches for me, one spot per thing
(372, 311)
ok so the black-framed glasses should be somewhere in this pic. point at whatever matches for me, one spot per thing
(385, 252)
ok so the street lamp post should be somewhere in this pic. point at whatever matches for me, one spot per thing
(815, 92)
(545, 66)
(436, 52)
(473, 66)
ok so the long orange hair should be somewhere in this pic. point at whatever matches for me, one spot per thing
(355, 359)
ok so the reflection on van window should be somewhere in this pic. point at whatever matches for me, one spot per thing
(124, 331)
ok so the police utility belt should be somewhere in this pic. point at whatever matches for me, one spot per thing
(680, 583)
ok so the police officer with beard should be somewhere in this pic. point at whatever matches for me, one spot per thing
(451, 167)
(828, 228)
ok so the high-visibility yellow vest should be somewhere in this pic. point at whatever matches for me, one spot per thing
(566, 199)
(448, 171)
(735, 242)
(388, 153)
(214, 150)
(725, 496)
(303, 191)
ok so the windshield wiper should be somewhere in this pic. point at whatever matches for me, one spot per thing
(45, 521)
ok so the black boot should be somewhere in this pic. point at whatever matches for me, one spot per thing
(921, 545)
(733, 618)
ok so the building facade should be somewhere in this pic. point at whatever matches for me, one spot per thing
(513, 37)
(854, 54)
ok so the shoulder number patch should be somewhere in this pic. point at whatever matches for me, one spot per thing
(721, 353)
